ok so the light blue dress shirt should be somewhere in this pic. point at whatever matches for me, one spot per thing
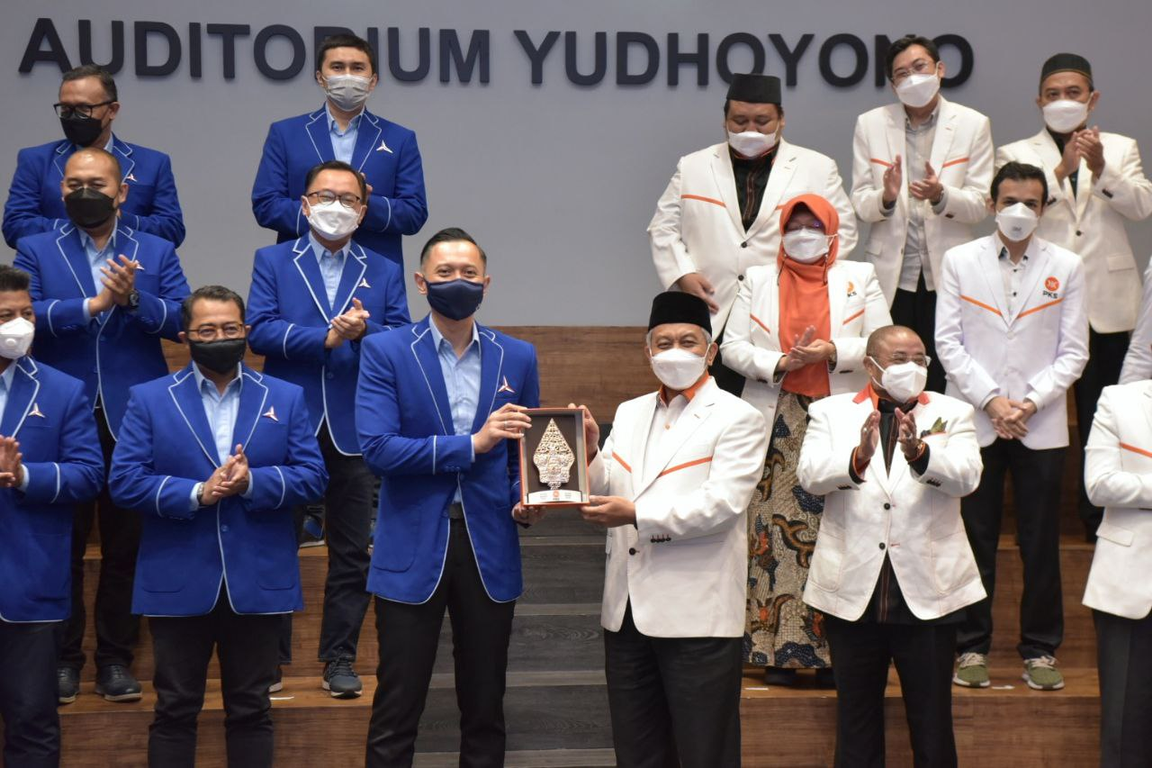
(221, 411)
(462, 380)
(343, 143)
(5, 387)
(331, 266)
(97, 258)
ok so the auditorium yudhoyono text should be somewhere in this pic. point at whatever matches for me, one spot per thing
(624, 58)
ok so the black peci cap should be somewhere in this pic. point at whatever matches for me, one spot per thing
(677, 307)
(755, 89)
(1066, 62)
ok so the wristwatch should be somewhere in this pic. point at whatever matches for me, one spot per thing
(133, 301)
(198, 491)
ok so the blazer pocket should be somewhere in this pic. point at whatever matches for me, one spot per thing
(1115, 534)
(1118, 262)
(396, 538)
(952, 562)
(828, 562)
(48, 575)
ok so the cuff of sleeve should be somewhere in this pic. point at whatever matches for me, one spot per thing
(251, 489)
(939, 207)
(886, 209)
(857, 477)
(194, 497)
(989, 397)
(919, 464)
(87, 311)
(23, 487)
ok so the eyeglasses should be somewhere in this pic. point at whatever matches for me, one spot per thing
(77, 111)
(212, 332)
(918, 67)
(327, 197)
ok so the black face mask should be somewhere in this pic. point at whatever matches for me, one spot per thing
(220, 356)
(82, 131)
(88, 208)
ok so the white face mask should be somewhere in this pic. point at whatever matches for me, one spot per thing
(16, 338)
(348, 92)
(1016, 222)
(918, 89)
(806, 245)
(332, 220)
(752, 143)
(903, 381)
(678, 368)
(1065, 115)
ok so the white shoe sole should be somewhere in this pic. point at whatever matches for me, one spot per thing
(122, 697)
(66, 699)
(338, 695)
(964, 684)
(1035, 687)
(276, 687)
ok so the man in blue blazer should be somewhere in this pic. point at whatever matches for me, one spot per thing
(440, 408)
(213, 459)
(87, 108)
(312, 302)
(105, 295)
(48, 463)
(343, 129)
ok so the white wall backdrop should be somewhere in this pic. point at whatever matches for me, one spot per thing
(556, 180)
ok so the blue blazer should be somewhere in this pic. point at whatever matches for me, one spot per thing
(290, 316)
(125, 349)
(166, 446)
(407, 437)
(50, 417)
(35, 205)
(387, 155)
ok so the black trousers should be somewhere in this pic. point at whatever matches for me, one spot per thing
(408, 636)
(246, 647)
(923, 654)
(117, 630)
(917, 310)
(1036, 493)
(674, 702)
(28, 695)
(1124, 658)
(348, 515)
(1106, 353)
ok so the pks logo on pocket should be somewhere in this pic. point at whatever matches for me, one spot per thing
(1051, 287)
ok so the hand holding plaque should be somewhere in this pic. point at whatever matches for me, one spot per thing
(554, 458)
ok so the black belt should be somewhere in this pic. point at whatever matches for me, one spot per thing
(455, 511)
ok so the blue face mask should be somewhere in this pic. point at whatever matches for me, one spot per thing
(455, 299)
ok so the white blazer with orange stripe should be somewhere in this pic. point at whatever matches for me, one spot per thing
(752, 340)
(962, 157)
(697, 226)
(684, 565)
(1092, 221)
(1036, 352)
(913, 520)
(1118, 477)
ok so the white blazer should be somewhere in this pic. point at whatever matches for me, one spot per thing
(697, 226)
(1091, 222)
(962, 157)
(684, 565)
(1138, 360)
(914, 520)
(1118, 477)
(752, 342)
(1036, 352)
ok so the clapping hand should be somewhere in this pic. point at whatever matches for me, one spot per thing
(353, 324)
(893, 178)
(119, 279)
(229, 479)
(929, 188)
(11, 463)
(907, 437)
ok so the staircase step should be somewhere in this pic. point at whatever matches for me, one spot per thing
(560, 638)
(536, 758)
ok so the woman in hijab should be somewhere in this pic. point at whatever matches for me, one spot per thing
(797, 333)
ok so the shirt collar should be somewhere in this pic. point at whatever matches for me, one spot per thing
(1001, 247)
(8, 375)
(438, 338)
(320, 249)
(689, 393)
(333, 127)
(929, 123)
(869, 393)
(90, 244)
(238, 382)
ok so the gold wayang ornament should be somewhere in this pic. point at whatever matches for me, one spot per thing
(553, 457)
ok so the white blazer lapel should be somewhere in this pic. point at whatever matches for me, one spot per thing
(942, 141)
(783, 168)
(1036, 273)
(640, 429)
(895, 135)
(989, 268)
(690, 420)
(1045, 148)
(725, 180)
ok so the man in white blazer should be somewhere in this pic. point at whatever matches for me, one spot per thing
(1012, 332)
(1118, 475)
(1095, 184)
(720, 213)
(920, 175)
(892, 567)
(671, 485)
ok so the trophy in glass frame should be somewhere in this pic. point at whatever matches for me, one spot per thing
(554, 459)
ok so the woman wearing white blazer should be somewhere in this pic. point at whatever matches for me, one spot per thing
(797, 332)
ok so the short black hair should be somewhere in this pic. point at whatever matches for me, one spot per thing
(345, 41)
(450, 235)
(13, 279)
(211, 293)
(337, 165)
(899, 46)
(98, 72)
(118, 172)
(1015, 171)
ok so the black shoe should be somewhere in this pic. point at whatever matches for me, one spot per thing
(341, 680)
(67, 684)
(825, 678)
(278, 683)
(115, 683)
(780, 676)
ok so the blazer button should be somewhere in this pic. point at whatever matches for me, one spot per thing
(224, 528)
(886, 506)
(1079, 233)
(740, 277)
(632, 550)
(744, 244)
(329, 375)
(881, 545)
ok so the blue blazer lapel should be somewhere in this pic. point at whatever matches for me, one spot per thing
(253, 398)
(491, 364)
(367, 138)
(424, 350)
(123, 152)
(60, 157)
(76, 259)
(191, 407)
(309, 269)
(22, 397)
(317, 128)
(354, 268)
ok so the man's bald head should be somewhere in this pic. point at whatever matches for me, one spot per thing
(94, 159)
(885, 342)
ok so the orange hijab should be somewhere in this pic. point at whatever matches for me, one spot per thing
(804, 296)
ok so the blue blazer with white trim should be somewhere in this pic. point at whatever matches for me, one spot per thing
(34, 201)
(407, 436)
(166, 446)
(290, 316)
(50, 417)
(387, 155)
(124, 349)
